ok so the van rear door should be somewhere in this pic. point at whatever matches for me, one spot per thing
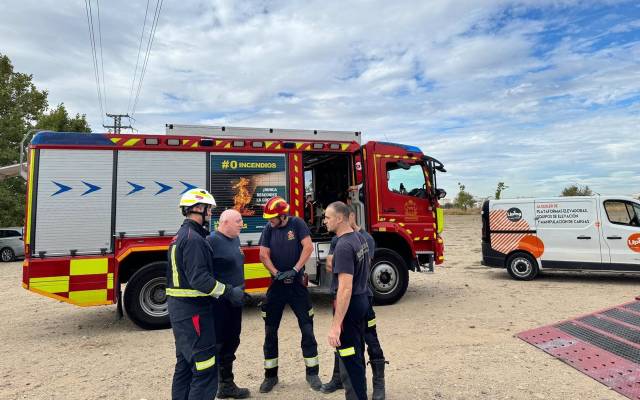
(567, 228)
(621, 234)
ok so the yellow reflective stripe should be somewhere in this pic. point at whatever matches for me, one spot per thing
(271, 363)
(131, 142)
(255, 271)
(371, 322)
(440, 219)
(311, 361)
(50, 284)
(109, 281)
(90, 266)
(311, 312)
(264, 314)
(184, 293)
(88, 296)
(349, 351)
(174, 267)
(218, 289)
(202, 365)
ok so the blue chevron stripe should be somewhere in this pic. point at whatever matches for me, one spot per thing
(61, 188)
(187, 186)
(91, 188)
(135, 188)
(163, 188)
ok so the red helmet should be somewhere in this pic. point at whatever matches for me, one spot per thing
(275, 206)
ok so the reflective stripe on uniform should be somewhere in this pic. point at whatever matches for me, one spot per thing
(184, 293)
(311, 312)
(271, 363)
(218, 290)
(264, 314)
(371, 322)
(174, 268)
(311, 361)
(202, 365)
(349, 351)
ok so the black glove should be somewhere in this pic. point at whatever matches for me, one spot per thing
(286, 274)
(235, 295)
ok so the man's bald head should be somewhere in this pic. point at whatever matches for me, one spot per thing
(230, 223)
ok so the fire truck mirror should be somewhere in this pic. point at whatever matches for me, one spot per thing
(403, 165)
(441, 193)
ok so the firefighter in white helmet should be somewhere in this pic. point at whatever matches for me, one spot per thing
(191, 288)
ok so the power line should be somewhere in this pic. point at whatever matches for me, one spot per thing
(104, 87)
(87, 5)
(154, 25)
(135, 72)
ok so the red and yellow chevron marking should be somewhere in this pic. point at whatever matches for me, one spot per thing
(130, 250)
(297, 190)
(80, 281)
(256, 278)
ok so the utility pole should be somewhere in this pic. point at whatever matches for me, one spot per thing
(117, 124)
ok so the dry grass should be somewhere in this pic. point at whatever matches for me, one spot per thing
(460, 211)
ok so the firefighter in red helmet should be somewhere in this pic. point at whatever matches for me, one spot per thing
(285, 247)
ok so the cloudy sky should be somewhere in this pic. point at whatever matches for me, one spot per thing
(539, 94)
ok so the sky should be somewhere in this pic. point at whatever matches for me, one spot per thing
(538, 94)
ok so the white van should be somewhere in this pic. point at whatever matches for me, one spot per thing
(594, 233)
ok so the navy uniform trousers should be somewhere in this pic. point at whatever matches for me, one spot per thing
(196, 372)
(294, 293)
(351, 349)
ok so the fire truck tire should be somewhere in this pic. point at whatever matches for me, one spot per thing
(389, 277)
(7, 254)
(522, 266)
(145, 298)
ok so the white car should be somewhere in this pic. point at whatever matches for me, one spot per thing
(11, 244)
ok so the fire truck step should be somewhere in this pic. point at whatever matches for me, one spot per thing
(604, 345)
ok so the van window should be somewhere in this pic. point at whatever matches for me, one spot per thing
(408, 182)
(622, 212)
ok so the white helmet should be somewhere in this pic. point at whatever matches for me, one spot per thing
(194, 197)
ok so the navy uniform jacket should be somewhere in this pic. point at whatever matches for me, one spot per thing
(191, 285)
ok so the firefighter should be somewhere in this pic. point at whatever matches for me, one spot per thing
(350, 289)
(228, 266)
(376, 355)
(191, 288)
(285, 246)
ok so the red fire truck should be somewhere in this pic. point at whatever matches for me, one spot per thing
(101, 209)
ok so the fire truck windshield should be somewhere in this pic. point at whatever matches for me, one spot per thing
(406, 181)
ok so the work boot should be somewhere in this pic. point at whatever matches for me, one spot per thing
(268, 384)
(335, 383)
(314, 382)
(377, 367)
(227, 389)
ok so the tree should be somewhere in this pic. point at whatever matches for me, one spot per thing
(501, 187)
(464, 199)
(23, 107)
(576, 190)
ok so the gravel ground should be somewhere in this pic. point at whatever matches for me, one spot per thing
(450, 337)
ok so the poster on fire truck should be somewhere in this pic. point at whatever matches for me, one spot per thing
(245, 182)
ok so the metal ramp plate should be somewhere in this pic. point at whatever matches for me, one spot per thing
(605, 345)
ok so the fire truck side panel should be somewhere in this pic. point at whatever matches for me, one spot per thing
(149, 186)
(70, 181)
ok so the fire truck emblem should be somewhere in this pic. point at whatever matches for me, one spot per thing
(410, 209)
(291, 235)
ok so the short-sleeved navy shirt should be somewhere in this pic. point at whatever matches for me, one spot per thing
(228, 259)
(370, 242)
(285, 242)
(351, 256)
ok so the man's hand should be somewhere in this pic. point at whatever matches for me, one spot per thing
(235, 295)
(334, 335)
(292, 273)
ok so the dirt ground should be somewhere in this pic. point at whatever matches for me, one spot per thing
(450, 337)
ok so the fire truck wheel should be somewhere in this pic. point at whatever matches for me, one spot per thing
(389, 277)
(7, 254)
(522, 266)
(145, 298)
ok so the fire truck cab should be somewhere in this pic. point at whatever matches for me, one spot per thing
(102, 208)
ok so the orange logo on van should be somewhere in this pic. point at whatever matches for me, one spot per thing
(634, 242)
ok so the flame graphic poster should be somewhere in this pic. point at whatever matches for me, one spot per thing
(245, 182)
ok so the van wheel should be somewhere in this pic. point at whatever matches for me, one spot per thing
(145, 298)
(522, 266)
(389, 277)
(7, 254)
